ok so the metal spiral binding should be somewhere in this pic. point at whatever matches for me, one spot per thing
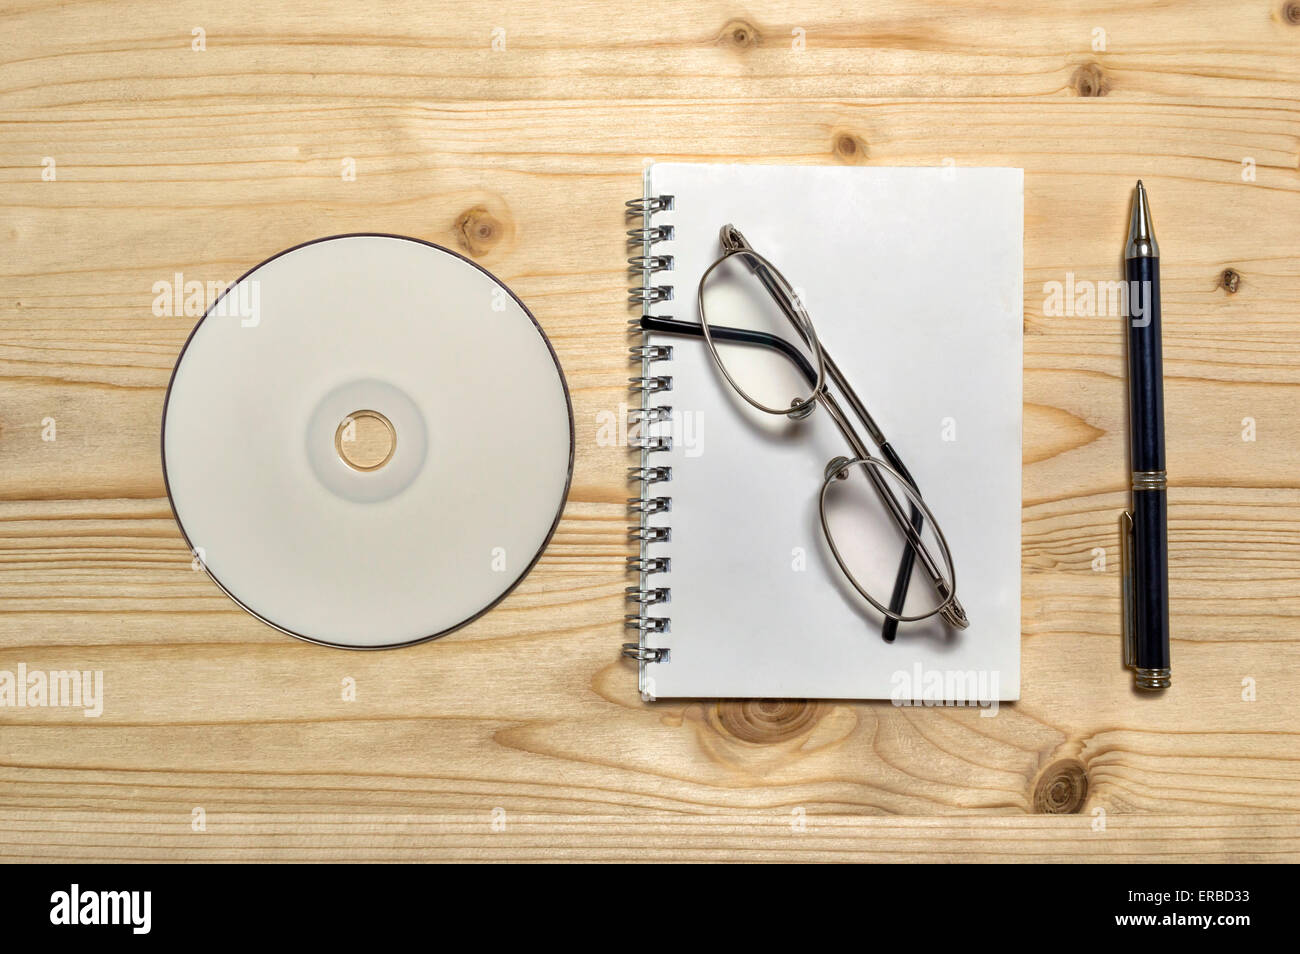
(642, 420)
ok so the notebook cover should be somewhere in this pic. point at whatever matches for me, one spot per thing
(913, 278)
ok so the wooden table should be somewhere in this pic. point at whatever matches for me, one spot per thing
(514, 134)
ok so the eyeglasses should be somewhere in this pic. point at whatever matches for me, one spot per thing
(872, 514)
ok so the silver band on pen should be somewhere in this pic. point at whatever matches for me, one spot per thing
(1149, 480)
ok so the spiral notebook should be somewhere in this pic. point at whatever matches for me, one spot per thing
(913, 278)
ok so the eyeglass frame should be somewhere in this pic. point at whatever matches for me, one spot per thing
(734, 244)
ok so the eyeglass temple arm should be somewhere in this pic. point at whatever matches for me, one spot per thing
(739, 335)
(673, 326)
(899, 597)
(745, 336)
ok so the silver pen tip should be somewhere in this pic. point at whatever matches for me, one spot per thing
(1141, 236)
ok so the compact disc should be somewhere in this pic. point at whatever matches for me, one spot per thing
(367, 441)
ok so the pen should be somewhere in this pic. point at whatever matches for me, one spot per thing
(1145, 544)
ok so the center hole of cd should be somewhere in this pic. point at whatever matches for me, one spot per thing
(365, 440)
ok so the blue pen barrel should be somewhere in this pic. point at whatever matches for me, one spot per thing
(1145, 361)
(1147, 444)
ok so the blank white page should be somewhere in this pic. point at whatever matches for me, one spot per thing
(913, 279)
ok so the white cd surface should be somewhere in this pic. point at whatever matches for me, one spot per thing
(367, 441)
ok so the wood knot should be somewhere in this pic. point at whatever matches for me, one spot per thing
(739, 35)
(1230, 280)
(1291, 13)
(478, 231)
(765, 720)
(1089, 80)
(847, 147)
(1062, 788)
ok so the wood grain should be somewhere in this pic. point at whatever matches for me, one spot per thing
(171, 160)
